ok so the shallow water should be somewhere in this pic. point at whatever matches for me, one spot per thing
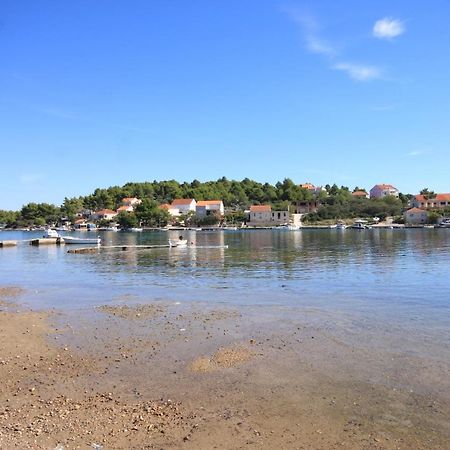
(377, 288)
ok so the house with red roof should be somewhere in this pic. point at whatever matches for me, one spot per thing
(205, 208)
(131, 201)
(360, 194)
(383, 190)
(263, 216)
(436, 201)
(416, 216)
(104, 214)
(181, 206)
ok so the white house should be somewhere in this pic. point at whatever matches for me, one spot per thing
(131, 201)
(437, 201)
(181, 206)
(263, 216)
(383, 190)
(415, 216)
(208, 207)
(103, 214)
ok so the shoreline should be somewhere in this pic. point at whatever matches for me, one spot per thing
(171, 375)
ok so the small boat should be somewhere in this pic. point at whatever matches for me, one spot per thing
(49, 234)
(341, 226)
(75, 240)
(178, 242)
(136, 229)
(445, 223)
(360, 225)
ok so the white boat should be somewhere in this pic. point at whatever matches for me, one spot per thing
(360, 224)
(178, 242)
(49, 233)
(112, 228)
(136, 229)
(445, 223)
(341, 226)
(75, 240)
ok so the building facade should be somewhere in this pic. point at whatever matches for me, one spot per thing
(438, 201)
(383, 190)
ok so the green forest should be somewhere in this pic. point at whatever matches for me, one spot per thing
(336, 202)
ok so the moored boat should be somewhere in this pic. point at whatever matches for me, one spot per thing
(178, 242)
(50, 233)
(75, 240)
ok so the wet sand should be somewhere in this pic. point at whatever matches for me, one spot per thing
(171, 375)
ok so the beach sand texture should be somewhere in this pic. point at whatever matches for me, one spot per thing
(165, 375)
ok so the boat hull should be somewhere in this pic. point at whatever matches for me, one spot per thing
(74, 240)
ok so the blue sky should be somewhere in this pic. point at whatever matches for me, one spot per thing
(98, 93)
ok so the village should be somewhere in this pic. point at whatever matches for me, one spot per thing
(425, 209)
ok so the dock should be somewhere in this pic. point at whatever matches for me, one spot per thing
(8, 244)
(94, 249)
(46, 241)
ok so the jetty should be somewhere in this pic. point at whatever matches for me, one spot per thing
(94, 249)
(8, 244)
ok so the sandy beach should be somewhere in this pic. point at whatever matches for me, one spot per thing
(174, 375)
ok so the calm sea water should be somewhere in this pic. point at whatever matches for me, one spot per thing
(395, 274)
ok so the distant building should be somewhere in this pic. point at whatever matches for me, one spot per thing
(307, 206)
(263, 216)
(125, 208)
(131, 201)
(207, 207)
(315, 190)
(182, 206)
(428, 202)
(416, 216)
(104, 214)
(360, 194)
(383, 190)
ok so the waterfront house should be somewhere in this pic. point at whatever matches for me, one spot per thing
(80, 224)
(435, 201)
(104, 214)
(181, 206)
(263, 216)
(383, 190)
(360, 194)
(416, 216)
(208, 207)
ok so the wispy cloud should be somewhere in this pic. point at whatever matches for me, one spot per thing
(388, 28)
(359, 72)
(311, 31)
(317, 44)
(31, 178)
(416, 153)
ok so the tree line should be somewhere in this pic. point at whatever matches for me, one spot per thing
(336, 202)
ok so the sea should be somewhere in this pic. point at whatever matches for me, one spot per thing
(396, 280)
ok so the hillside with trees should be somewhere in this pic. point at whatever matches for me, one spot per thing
(336, 202)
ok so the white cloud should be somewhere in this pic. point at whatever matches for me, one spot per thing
(388, 28)
(359, 72)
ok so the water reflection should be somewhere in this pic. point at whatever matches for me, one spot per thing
(331, 266)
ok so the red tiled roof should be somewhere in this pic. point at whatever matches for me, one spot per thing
(182, 201)
(125, 208)
(208, 202)
(308, 186)
(164, 206)
(414, 210)
(105, 211)
(359, 194)
(437, 197)
(385, 186)
(128, 199)
(260, 208)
